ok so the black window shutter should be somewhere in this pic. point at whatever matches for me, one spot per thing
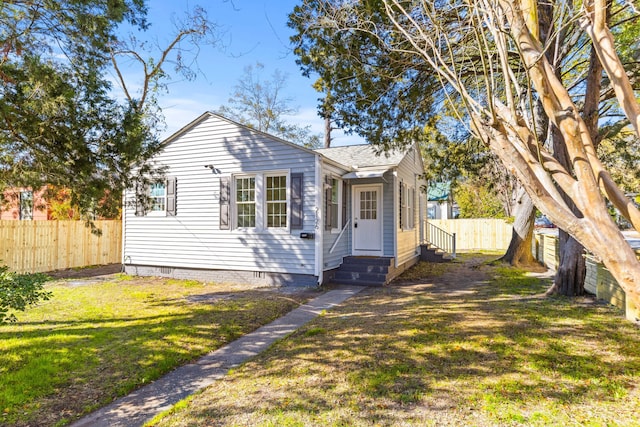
(171, 196)
(297, 213)
(344, 204)
(327, 203)
(225, 196)
(400, 210)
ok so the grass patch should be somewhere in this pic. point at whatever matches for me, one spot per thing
(315, 331)
(424, 270)
(91, 343)
(477, 345)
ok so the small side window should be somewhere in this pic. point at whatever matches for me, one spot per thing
(333, 202)
(158, 194)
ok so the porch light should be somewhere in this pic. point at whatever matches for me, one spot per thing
(214, 169)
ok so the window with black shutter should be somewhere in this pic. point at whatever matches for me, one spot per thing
(297, 213)
(225, 196)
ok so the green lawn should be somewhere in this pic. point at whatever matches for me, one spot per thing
(94, 342)
(467, 344)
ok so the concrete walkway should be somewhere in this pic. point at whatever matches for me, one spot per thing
(143, 404)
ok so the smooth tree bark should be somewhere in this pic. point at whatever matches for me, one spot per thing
(519, 251)
(572, 269)
(570, 276)
(505, 133)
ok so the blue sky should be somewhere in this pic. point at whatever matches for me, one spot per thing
(253, 31)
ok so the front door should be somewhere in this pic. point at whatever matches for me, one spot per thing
(367, 219)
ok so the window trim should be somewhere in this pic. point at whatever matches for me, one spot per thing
(337, 227)
(234, 200)
(407, 206)
(260, 200)
(337, 183)
(411, 209)
(157, 212)
(287, 188)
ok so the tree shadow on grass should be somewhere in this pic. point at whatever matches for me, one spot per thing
(416, 352)
(55, 369)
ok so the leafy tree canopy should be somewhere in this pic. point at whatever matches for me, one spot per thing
(388, 65)
(61, 125)
(384, 95)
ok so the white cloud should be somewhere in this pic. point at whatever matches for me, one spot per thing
(179, 112)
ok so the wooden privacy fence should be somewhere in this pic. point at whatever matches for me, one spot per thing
(38, 246)
(598, 280)
(477, 233)
(545, 248)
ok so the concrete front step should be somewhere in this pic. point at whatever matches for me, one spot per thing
(367, 260)
(366, 268)
(433, 255)
(364, 271)
(343, 276)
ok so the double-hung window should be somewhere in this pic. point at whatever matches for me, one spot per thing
(406, 206)
(261, 201)
(276, 187)
(158, 195)
(411, 201)
(333, 200)
(161, 199)
(246, 202)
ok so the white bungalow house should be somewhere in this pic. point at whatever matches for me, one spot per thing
(243, 206)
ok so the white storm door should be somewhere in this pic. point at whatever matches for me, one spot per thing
(367, 220)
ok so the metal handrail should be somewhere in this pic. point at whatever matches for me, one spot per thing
(339, 236)
(439, 238)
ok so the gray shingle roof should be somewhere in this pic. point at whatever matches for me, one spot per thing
(362, 156)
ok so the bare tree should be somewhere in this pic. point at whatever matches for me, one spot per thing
(191, 33)
(261, 104)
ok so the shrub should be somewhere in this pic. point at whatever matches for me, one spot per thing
(18, 291)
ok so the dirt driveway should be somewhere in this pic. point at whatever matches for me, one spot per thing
(78, 273)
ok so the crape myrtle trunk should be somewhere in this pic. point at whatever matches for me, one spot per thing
(519, 251)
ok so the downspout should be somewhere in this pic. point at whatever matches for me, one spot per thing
(396, 214)
(416, 213)
(124, 228)
(319, 229)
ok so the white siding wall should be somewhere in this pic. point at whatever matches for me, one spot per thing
(388, 209)
(192, 238)
(409, 171)
(333, 259)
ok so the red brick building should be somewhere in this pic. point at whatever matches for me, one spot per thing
(24, 204)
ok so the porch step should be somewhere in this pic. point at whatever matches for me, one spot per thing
(431, 254)
(363, 279)
(364, 271)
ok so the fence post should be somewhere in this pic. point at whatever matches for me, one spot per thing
(454, 245)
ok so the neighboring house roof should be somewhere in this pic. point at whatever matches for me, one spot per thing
(362, 156)
(438, 191)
